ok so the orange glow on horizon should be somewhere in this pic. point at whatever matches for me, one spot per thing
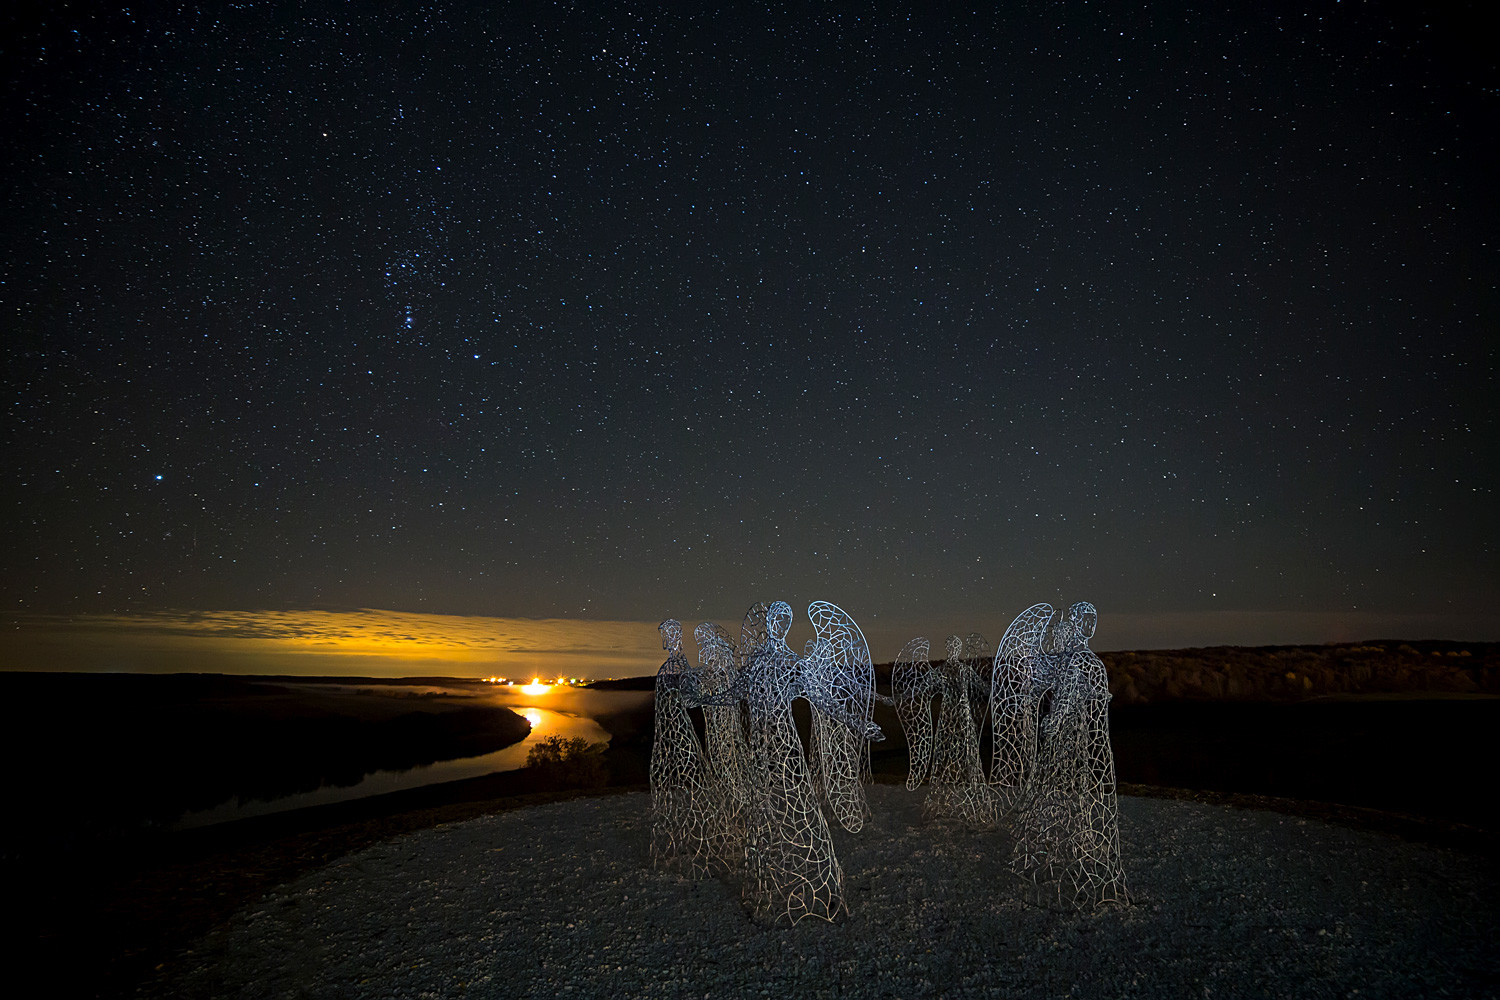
(366, 642)
(536, 687)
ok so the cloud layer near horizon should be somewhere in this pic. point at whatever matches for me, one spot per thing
(396, 643)
(365, 641)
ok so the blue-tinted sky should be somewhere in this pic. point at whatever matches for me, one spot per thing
(571, 312)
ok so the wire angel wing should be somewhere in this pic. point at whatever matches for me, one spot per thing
(912, 689)
(1025, 634)
(853, 673)
(1013, 702)
(842, 677)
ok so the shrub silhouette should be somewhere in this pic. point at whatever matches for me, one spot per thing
(570, 762)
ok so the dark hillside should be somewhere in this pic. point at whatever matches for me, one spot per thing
(1296, 673)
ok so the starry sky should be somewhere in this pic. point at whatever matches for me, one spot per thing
(579, 312)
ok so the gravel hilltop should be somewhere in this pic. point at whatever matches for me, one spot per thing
(559, 901)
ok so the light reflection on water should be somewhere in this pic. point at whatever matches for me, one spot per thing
(559, 713)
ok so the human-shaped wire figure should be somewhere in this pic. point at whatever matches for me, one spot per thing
(727, 750)
(912, 689)
(957, 787)
(837, 663)
(1067, 836)
(686, 821)
(791, 871)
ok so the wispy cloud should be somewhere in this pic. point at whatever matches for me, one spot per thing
(384, 643)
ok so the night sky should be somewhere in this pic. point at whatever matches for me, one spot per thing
(567, 311)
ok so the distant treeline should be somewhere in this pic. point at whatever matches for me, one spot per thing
(625, 684)
(1294, 673)
(1273, 673)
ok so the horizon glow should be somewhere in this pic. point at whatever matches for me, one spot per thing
(375, 643)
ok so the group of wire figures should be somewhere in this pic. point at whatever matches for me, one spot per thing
(751, 798)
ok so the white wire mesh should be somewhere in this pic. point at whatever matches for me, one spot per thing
(686, 813)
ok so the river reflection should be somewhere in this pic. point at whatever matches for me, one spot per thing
(561, 711)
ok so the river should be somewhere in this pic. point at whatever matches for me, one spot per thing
(565, 712)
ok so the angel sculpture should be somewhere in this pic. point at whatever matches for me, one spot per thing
(911, 691)
(1068, 836)
(727, 750)
(957, 786)
(791, 870)
(686, 824)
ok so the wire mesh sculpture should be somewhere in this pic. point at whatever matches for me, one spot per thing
(752, 636)
(726, 748)
(1067, 823)
(1013, 708)
(754, 798)
(912, 687)
(796, 867)
(752, 630)
(957, 787)
(790, 869)
(686, 822)
(838, 665)
(976, 653)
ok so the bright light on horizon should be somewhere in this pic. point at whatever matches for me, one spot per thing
(536, 687)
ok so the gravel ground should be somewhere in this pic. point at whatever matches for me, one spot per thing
(559, 901)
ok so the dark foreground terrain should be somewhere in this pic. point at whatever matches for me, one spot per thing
(559, 901)
(106, 757)
(110, 911)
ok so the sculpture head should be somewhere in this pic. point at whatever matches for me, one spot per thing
(671, 635)
(1084, 618)
(955, 648)
(714, 648)
(779, 620)
(976, 648)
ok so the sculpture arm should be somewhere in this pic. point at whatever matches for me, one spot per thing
(690, 684)
(855, 723)
(979, 687)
